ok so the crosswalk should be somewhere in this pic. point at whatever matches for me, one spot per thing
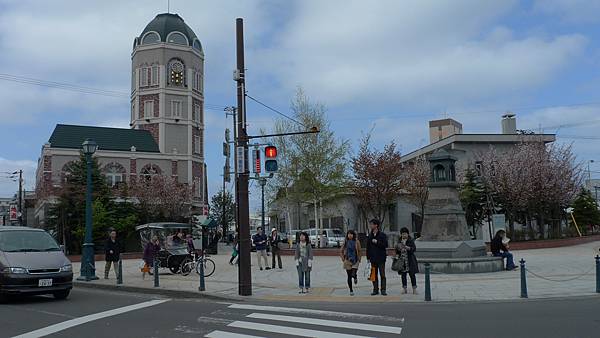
(266, 321)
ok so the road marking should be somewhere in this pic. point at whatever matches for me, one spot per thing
(330, 323)
(89, 318)
(310, 311)
(290, 330)
(223, 334)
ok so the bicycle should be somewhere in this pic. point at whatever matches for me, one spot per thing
(188, 265)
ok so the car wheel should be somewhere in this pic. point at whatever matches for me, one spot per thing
(61, 294)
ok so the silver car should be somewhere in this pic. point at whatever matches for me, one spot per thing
(32, 263)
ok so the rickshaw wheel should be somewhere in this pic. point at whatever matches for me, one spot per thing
(174, 269)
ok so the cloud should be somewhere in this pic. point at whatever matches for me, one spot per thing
(10, 187)
(413, 53)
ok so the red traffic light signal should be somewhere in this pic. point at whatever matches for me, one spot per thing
(270, 152)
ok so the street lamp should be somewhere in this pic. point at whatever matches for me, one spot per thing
(88, 269)
(589, 171)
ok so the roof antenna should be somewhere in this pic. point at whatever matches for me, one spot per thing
(168, 6)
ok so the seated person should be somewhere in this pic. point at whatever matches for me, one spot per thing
(499, 248)
(178, 239)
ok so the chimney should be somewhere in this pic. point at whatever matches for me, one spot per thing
(440, 129)
(509, 124)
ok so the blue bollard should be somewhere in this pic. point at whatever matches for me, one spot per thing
(523, 280)
(427, 282)
(155, 268)
(597, 274)
(202, 287)
(120, 273)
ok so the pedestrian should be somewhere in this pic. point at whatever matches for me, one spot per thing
(112, 253)
(178, 239)
(499, 248)
(406, 260)
(150, 253)
(351, 256)
(377, 243)
(274, 241)
(236, 250)
(260, 243)
(190, 244)
(304, 257)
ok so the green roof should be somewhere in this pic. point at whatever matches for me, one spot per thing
(119, 139)
(166, 23)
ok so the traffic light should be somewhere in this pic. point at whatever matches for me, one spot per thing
(270, 159)
(256, 160)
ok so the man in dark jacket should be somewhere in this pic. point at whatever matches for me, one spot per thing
(112, 251)
(260, 243)
(377, 244)
(274, 241)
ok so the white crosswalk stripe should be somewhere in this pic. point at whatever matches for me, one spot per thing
(304, 325)
(330, 323)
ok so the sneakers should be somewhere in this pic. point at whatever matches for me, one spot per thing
(268, 268)
(404, 291)
(415, 291)
(355, 280)
(351, 293)
(383, 293)
(374, 293)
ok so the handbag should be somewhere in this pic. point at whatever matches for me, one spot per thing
(396, 265)
(373, 274)
(347, 265)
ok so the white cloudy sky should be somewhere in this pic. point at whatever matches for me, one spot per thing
(393, 65)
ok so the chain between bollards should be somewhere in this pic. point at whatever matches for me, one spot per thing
(523, 279)
(155, 268)
(427, 282)
(202, 287)
(597, 274)
(120, 272)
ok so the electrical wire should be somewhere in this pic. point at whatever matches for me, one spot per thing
(275, 110)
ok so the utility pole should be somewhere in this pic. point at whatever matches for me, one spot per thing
(263, 182)
(243, 212)
(20, 214)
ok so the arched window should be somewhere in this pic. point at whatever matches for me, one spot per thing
(197, 46)
(176, 73)
(177, 38)
(150, 37)
(114, 173)
(439, 173)
(66, 171)
(149, 171)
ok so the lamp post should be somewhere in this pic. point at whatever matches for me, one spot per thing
(589, 171)
(88, 270)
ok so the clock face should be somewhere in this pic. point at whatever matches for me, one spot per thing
(177, 73)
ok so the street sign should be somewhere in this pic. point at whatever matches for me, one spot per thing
(226, 173)
(256, 160)
(13, 213)
(241, 160)
(225, 149)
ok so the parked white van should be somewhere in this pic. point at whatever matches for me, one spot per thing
(331, 237)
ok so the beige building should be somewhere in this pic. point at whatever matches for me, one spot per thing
(167, 120)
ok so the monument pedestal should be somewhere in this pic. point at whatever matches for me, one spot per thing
(457, 257)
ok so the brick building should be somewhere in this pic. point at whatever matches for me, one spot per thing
(167, 120)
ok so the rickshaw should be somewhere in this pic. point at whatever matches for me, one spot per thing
(171, 255)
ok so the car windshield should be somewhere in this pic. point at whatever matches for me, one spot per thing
(27, 241)
(338, 232)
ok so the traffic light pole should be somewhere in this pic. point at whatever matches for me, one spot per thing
(243, 212)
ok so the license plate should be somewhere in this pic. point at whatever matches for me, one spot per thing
(45, 282)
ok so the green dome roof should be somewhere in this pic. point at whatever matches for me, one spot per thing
(166, 23)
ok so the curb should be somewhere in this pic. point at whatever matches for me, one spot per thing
(159, 291)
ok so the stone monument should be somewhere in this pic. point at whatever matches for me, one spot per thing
(445, 241)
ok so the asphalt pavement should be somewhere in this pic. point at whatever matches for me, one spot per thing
(99, 313)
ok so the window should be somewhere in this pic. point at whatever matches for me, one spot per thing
(197, 46)
(176, 73)
(197, 187)
(197, 144)
(149, 171)
(196, 114)
(478, 168)
(197, 83)
(148, 109)
(114, 174)
(177, 38)
(149, 76)
(176, 108)
(150, 37)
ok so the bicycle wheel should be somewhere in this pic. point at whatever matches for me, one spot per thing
(187, 266)
(209, 267)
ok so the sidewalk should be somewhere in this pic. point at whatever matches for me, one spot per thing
(570, 271)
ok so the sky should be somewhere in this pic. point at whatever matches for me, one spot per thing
(389, 66)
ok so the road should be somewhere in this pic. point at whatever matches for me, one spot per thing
(93, 313)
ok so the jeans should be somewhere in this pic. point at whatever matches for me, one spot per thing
(303, 277)
(379, 273)
(276, 252)
(413, 280)
(510, 263)
(107, 268)
(263, 254)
